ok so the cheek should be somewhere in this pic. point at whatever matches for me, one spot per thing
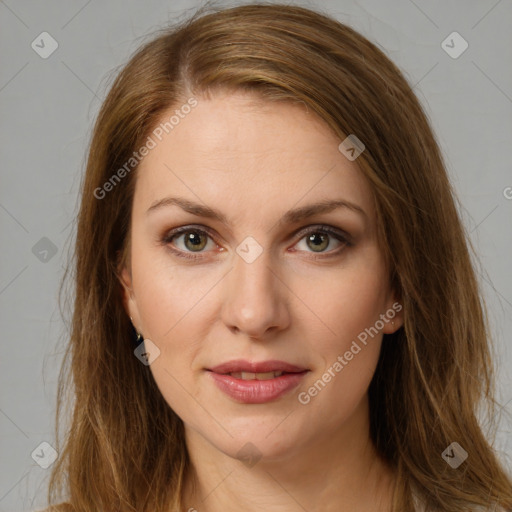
(170, 312)
(172, 306)
(333, 396)
(349, 352)
(348, 305)
(168, 295)
(346, 301)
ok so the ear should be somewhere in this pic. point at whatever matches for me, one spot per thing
(393, 317)
(128, 297)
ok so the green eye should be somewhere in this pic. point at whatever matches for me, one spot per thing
(195, 240)
(318, 241)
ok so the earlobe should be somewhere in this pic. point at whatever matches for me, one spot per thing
(394, 315)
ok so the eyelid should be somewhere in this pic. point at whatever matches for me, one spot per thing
(341, 235)
(174, 233)
(302, 231)
(331, 230)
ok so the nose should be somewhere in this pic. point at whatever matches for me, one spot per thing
(256, 299)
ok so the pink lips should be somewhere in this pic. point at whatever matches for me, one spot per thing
(255, 391)
(240, 365)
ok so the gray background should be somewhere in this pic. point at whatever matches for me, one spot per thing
(47, 110)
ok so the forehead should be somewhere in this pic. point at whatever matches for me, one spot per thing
(234, 149)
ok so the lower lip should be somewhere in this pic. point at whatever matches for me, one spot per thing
(256, 391)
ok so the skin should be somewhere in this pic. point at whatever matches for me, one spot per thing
(254, 161)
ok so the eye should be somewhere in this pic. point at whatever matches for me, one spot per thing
(320, 238)
(187, 240)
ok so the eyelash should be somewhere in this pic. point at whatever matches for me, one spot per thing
(328, 230)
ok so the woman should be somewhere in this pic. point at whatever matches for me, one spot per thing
(267, 216)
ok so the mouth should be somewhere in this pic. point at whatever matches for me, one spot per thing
(255, 376)
(259, 368)
(256, 382)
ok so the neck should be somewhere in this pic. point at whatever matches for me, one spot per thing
(338, 471)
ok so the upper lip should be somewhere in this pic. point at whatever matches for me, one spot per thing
(241, 365)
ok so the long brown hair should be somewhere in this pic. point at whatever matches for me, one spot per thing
(124, 448)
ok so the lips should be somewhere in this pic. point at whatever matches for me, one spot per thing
(256, 382)
(255, 376)
(240, 365)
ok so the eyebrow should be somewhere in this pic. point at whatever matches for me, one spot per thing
(290, 217)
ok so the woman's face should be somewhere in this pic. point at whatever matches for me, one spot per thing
(261, 279)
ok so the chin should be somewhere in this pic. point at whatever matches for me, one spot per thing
(265, 439)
